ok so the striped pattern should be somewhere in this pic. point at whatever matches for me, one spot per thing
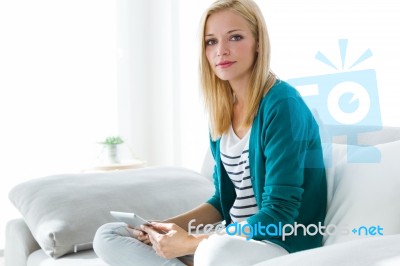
(235, 158)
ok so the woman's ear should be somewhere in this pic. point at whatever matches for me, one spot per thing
(258, 45)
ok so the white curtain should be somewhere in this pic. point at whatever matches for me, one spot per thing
(58, 88)
(160, 108)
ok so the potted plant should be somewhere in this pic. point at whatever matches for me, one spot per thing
(111, 144)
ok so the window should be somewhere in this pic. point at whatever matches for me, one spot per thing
(58, 88)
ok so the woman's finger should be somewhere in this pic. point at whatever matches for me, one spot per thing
(136, 233)
(147, 241)
(153, 243)
(140, 235)
(144, 238)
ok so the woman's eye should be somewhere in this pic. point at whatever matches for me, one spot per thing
(236, 38)
(210, 42)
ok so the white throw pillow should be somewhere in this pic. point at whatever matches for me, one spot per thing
(364, 197)
(63, 212)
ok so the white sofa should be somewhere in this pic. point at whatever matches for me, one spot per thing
(62, 212)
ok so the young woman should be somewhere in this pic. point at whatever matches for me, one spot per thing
(268, 159)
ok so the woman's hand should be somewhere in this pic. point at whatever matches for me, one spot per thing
(140, 235)
(169, 240)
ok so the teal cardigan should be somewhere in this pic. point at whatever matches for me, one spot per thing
(286, 168)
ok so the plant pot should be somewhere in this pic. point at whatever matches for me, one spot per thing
(113, 153)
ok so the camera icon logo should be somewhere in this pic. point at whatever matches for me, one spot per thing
(348, 103)
(343, 99)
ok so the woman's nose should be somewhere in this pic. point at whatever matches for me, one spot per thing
(222, 49)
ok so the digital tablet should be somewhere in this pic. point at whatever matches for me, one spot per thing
(129, 218)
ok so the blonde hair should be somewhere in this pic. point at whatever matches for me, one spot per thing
(217, 93)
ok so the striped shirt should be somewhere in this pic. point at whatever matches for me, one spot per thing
(235, 158)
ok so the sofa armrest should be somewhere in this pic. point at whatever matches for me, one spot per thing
(379, 250)
(19, 243)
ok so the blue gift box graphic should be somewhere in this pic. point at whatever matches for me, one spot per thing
(346, 98)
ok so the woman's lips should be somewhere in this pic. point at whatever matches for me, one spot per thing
(225, 64)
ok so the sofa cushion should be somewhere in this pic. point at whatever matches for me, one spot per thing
(63, 212)
(363, 198)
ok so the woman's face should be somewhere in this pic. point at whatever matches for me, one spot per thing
(230, 46)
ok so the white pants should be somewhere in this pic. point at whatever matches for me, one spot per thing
(226, 250)
(114, 244)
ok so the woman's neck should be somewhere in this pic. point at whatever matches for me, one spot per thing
(238, 119)
(239, 90)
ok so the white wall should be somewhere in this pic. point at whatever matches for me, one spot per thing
(299, 29)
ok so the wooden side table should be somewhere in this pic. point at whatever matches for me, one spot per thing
(133, 164)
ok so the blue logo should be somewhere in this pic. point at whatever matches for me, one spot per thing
(368, 231)
(343, 99)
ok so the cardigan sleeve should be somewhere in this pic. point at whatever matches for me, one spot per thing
(215, 199)
(284, 140)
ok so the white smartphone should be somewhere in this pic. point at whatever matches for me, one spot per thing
(129, 218)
